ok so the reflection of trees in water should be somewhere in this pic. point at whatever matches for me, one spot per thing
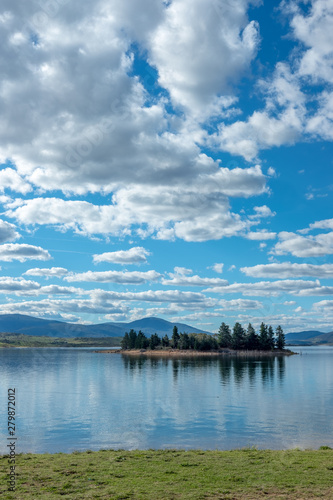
(187, 364)
(225, 366)
(235, 369)
(154, 363)
(239, 369)
(251, 370)
(281, 367)
(133, 363)
(267, 370)
(175, 368)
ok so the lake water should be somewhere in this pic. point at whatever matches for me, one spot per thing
(76, 399)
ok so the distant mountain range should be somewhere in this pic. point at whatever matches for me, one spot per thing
(19, 323)
(309, 337)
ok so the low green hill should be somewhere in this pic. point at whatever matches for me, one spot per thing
(21, 340)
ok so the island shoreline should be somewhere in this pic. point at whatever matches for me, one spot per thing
(193, 353)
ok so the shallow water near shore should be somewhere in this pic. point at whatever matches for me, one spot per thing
(76, 399)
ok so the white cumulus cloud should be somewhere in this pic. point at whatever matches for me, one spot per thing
(239, 304)
(300, 246)
(268, 288)
(289, 270)
(183, 280)
(52, 272)
(212, 43)
(260, 235)
(23, 252)
(7, 232)
(135, 255)
(133, 277)
(12, 285)
(218, 267)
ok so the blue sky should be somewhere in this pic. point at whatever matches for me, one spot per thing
(167, 158)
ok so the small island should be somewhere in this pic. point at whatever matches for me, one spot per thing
(238, 342)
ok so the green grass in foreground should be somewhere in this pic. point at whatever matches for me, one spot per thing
(22, 340)
(173, 474)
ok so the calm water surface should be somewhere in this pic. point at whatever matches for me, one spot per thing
(76, 399)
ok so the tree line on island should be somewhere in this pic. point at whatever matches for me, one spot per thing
(238, 339)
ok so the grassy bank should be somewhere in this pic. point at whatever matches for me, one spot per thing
(21, 340)
(173, 474)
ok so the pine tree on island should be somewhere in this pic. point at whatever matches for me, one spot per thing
(132, 338)
(165, 341)
(238, 337)
(175, 337)
(125, 342)
(281, 339)
(263, 337)
(270, 339)
(252, 339)
(154, 341)
(224, 336)
(184, 341)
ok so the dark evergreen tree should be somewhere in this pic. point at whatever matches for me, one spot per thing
(224, 336)
(213, 342)
(132, 339)
(205, 343)
(252, 339)
(154, 341)
(238, 337)
(184, 341)
(141, 341)
(175, 337)
(165, 341)
(281, 339)
(263, 337)
(196, 343)
(125, 341)
(191, 341)
(270, 338)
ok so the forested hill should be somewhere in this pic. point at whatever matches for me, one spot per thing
(19, 323)
(309, 337)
